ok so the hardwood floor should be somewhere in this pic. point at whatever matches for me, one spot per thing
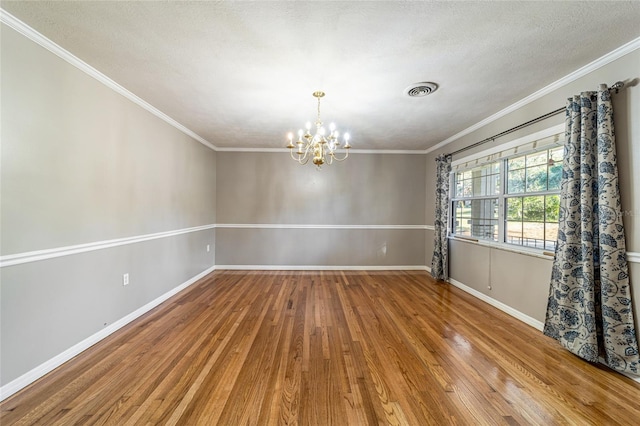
(326, 348)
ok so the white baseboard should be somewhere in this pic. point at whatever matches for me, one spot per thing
(515, 313)
(634, 378)
(44, 368)
(322, 267)
(497, 304)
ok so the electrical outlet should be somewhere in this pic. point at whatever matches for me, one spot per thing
(208, 248)
(125, 279)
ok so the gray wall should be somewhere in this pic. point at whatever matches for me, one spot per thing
(375, 190)
(82, 164)
(522, 281)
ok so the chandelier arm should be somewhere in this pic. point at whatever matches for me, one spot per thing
(346, 154)
(306, 160)
(294, 158)
(301, 158)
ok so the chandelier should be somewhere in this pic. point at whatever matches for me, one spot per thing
(320, 148)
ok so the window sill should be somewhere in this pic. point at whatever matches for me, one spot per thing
(541, 254)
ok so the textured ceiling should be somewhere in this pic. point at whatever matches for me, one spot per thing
(241, 74)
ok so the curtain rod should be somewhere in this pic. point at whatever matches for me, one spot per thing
(616, 86)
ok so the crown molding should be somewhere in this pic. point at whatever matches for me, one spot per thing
(580, 72)
(22, 28)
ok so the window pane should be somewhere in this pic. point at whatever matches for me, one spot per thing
(462, 209)
(555, 173)
(556, 155)
(478, 182)
(461, 214)
(536, 178)
(516, 163)
(493, 184)
(552, 208)
(514, 233)
(515, 181)
(478, 187)
(533, 209)
(484, 218)
(467, 188)
(533, 234)
(514, 208)
(539, 158)
(550, 235)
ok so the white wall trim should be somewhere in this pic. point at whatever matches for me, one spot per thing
(497, 304)
(581, 72)
(314, 226)
(352, 151)
(33, 256)
(33, 35)
(633, 257)
(322, 267)
(44, 368)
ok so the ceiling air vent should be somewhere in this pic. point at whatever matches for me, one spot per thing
(418, 90)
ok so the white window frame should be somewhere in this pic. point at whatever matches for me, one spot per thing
(510, 149)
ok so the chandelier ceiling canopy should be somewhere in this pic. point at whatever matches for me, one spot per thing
(321, 147)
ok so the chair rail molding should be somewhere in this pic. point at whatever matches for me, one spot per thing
(33, 256)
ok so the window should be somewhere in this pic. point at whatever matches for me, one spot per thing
(514, 200)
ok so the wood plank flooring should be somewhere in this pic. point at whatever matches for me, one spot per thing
(326, 348)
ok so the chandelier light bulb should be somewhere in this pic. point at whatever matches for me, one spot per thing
(308, 125)
(322, 131)
(332, 126)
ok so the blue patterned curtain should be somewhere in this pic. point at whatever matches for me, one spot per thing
(589, 309)
(440, 259)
